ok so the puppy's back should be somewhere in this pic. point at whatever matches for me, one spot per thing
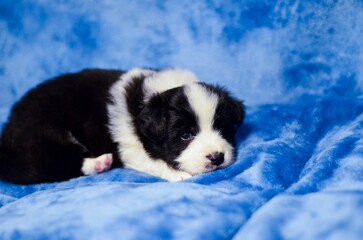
(52, 111)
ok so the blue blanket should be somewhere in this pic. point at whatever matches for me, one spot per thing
(297, 64)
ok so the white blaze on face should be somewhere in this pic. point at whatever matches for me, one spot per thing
(208, 141)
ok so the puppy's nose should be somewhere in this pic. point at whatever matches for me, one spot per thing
(217, 158)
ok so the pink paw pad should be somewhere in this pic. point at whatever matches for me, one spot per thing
(103, 163)
(92, 166)
(108, 160)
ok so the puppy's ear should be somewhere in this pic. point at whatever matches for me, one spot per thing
(237, 111)
(152, 120)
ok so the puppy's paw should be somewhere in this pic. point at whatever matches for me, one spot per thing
(179, 176)
(93, 166)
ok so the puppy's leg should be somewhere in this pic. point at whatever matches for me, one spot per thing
(93, 166)
(41, 154)
(157, 168)
(178, 175)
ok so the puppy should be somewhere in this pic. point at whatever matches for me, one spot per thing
(164, 123)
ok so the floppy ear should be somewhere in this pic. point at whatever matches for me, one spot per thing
(152, 120)
(237, 111)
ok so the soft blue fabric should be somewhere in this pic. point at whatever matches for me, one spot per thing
(297, 64)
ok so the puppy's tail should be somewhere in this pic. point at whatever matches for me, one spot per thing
(8, 166)
(5, 164)
(2, 166)
(1, 162)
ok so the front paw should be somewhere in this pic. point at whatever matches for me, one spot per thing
(93, 166)
(179, 176)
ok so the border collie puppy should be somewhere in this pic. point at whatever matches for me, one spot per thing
(163, 123)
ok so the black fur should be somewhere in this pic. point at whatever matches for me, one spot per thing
(55, 126)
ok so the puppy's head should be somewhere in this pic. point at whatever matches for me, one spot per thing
(191, 127)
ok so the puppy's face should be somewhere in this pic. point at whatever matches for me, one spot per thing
(192, 127)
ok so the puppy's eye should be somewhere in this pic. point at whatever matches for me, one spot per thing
(186, 136)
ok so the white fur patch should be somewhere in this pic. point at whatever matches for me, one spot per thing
(131, 150)
(204, 104)
(194, 158)
(165, 80)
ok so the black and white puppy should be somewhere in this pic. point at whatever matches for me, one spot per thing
(163, 123)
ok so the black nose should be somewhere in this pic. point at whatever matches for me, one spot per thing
(217, 158)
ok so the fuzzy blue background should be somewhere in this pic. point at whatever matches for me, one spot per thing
(297, 64)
